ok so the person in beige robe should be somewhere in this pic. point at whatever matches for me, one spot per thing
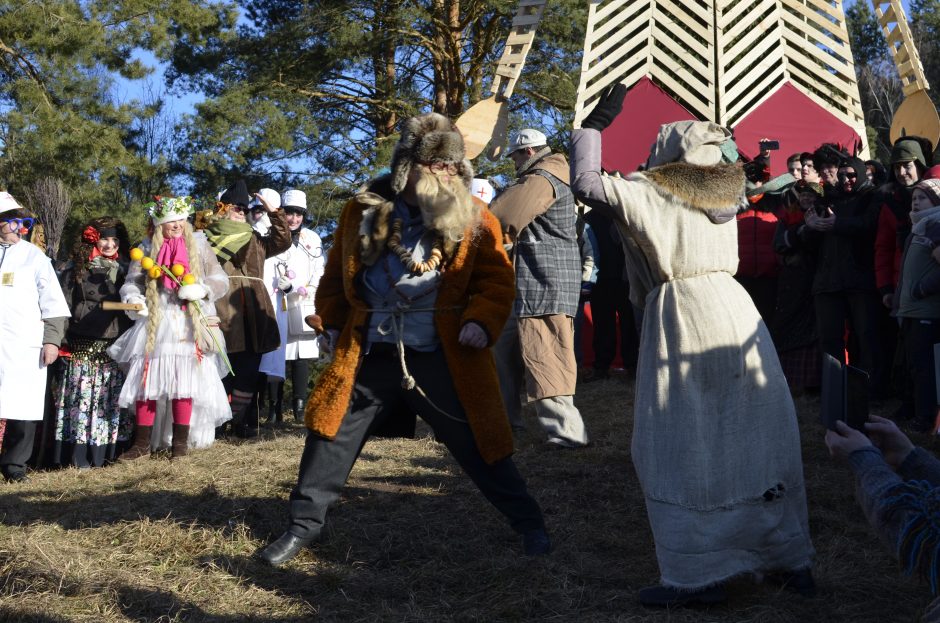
(715, 442)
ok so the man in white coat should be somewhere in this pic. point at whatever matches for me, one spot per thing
(293, 277)
(33, 313)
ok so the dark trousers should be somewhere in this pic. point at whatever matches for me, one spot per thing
(919, 337)
(299, 378)
(860, 309)
(610, 303)
(17, 446)
(377, 396)
(245, 365)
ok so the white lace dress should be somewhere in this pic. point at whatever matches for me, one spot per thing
(173, 369)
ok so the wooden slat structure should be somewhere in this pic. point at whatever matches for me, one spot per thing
(721, 59)
(897, 32)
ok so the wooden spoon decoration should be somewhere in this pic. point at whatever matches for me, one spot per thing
(916, 116)
(487, 121)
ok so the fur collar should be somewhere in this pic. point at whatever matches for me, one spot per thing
(709, 189)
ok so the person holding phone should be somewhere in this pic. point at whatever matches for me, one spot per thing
(841, 232)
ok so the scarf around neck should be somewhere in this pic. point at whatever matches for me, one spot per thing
(228, 237)
(172, 251)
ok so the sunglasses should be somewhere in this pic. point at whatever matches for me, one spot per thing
(17, 223)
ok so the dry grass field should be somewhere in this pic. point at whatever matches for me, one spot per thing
(411, 540)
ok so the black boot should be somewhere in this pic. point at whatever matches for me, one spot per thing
(274, 413)
(180, 444)
(141, 447)
(299, 409)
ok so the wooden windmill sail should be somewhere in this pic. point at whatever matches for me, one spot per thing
(722, 59)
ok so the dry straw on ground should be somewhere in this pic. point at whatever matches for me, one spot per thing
(411, 539)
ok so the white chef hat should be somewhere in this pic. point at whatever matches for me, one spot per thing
(8, 203)
(270, 195)
(294, 199)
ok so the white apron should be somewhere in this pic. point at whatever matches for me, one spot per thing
(306, 260)
(29, 293)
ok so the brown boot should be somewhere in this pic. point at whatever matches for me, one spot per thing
(180, 444)
(141, 447)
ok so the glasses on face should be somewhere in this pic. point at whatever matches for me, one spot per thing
(851, 176)
(17, 223)
(236, 208)
(441, 167)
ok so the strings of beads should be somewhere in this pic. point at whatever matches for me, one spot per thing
(394, 245)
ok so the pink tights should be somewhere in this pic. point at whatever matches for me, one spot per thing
(147, 411)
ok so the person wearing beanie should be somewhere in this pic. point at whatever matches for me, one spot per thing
(536, 351)
(416, 290)
(715, 440)
(916, 302)
(246, 316)
(292, 278)
(172, 353)
(33, 313)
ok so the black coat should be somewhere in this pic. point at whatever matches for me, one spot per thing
(845, 255)
(88, 319)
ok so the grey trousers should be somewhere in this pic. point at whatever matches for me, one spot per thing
(377, 396)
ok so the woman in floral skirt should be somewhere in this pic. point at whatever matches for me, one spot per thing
(90, 427)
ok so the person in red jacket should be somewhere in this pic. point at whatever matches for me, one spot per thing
(757, 262)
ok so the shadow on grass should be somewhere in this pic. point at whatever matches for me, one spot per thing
(265, 517)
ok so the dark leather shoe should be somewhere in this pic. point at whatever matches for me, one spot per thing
(283, 549)
(668, 596)
(536, 542)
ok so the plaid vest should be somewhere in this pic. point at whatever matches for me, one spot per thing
(548, 265)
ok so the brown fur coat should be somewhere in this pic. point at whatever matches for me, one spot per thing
(477, 285)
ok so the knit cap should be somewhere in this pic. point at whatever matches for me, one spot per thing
(931, 188)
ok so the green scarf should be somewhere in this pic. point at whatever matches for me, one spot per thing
(228, 237)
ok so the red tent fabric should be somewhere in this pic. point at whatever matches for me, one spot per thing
(626, 143)
(799, 123)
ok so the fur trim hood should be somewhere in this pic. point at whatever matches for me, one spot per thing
(717, 190)
(428, 138)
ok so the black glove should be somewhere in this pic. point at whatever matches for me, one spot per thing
(609, 105)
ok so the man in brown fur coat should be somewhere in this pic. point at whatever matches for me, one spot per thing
(416, 290)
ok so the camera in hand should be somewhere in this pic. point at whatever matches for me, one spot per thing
(769, 145)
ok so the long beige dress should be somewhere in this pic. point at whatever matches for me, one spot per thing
(715, 443)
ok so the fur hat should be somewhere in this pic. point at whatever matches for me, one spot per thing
(426, 139)
(931, 188)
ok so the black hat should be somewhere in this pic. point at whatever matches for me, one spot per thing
(236, 194)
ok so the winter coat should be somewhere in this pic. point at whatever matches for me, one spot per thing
(88, 319)
(756, 228)
(246, 315)
(544, 237)
(794, 320)
(845, 254)
(894, 225)
(476, 285)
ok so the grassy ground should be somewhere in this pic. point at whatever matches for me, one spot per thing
(411, 539)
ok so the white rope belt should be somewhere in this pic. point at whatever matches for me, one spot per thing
(397, 330)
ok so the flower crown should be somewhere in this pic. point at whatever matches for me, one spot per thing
(165, 209)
